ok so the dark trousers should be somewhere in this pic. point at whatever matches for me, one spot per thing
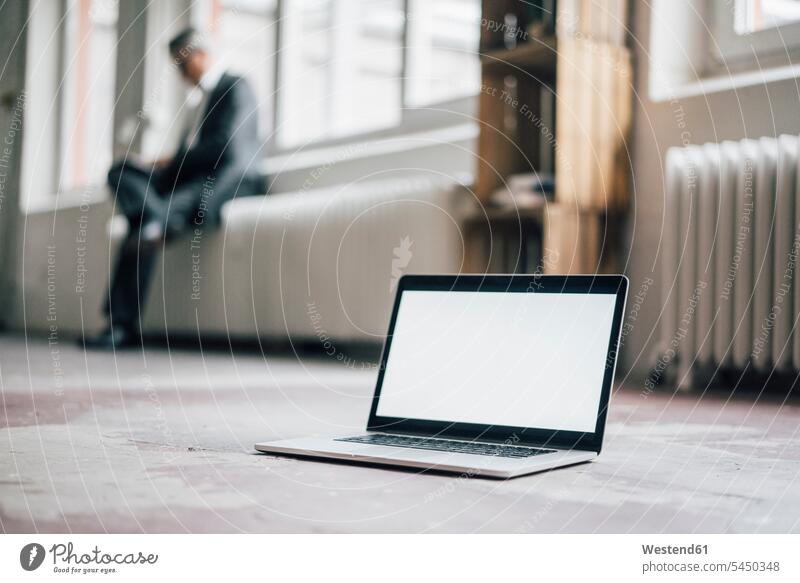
(145, 196)
(139, 195)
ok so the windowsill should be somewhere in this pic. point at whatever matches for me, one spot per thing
(319, 157)
(329, 155)
(89, 195)
(720, 83)
(439, 114)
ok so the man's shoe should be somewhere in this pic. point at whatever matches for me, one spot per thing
(111, 338)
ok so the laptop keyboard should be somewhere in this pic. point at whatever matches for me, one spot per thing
(450, 445)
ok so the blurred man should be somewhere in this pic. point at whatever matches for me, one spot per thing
(217, 160)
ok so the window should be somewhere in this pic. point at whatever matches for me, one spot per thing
(755, 15)
(705, 46)
(244, 34)
(342, 69)
(87, 105)
(442, 61)
(70, 87)
(754, 33)
(341, 65)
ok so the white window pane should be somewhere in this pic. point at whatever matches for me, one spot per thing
(755, 15)
(89, 79)
(443, 60)
(244, 34)
(341, 65)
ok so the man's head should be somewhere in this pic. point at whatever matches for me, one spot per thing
(190, 52)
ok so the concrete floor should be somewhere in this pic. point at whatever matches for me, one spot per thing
(161, 441)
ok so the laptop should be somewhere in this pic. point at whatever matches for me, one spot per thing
(488, 376)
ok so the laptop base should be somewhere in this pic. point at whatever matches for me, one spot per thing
(459, 463)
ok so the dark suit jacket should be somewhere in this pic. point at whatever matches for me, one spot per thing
(224, 161)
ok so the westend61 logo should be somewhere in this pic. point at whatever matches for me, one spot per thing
(66, 560)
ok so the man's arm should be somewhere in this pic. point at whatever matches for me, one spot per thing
(213, 149)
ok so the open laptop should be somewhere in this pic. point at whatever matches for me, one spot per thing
(488, 375)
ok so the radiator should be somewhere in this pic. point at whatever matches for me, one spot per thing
(729, 254)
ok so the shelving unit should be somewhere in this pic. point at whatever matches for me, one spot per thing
(556, 104)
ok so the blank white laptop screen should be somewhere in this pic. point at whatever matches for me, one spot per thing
(499, 358)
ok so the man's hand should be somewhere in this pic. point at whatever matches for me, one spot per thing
(162, 163)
